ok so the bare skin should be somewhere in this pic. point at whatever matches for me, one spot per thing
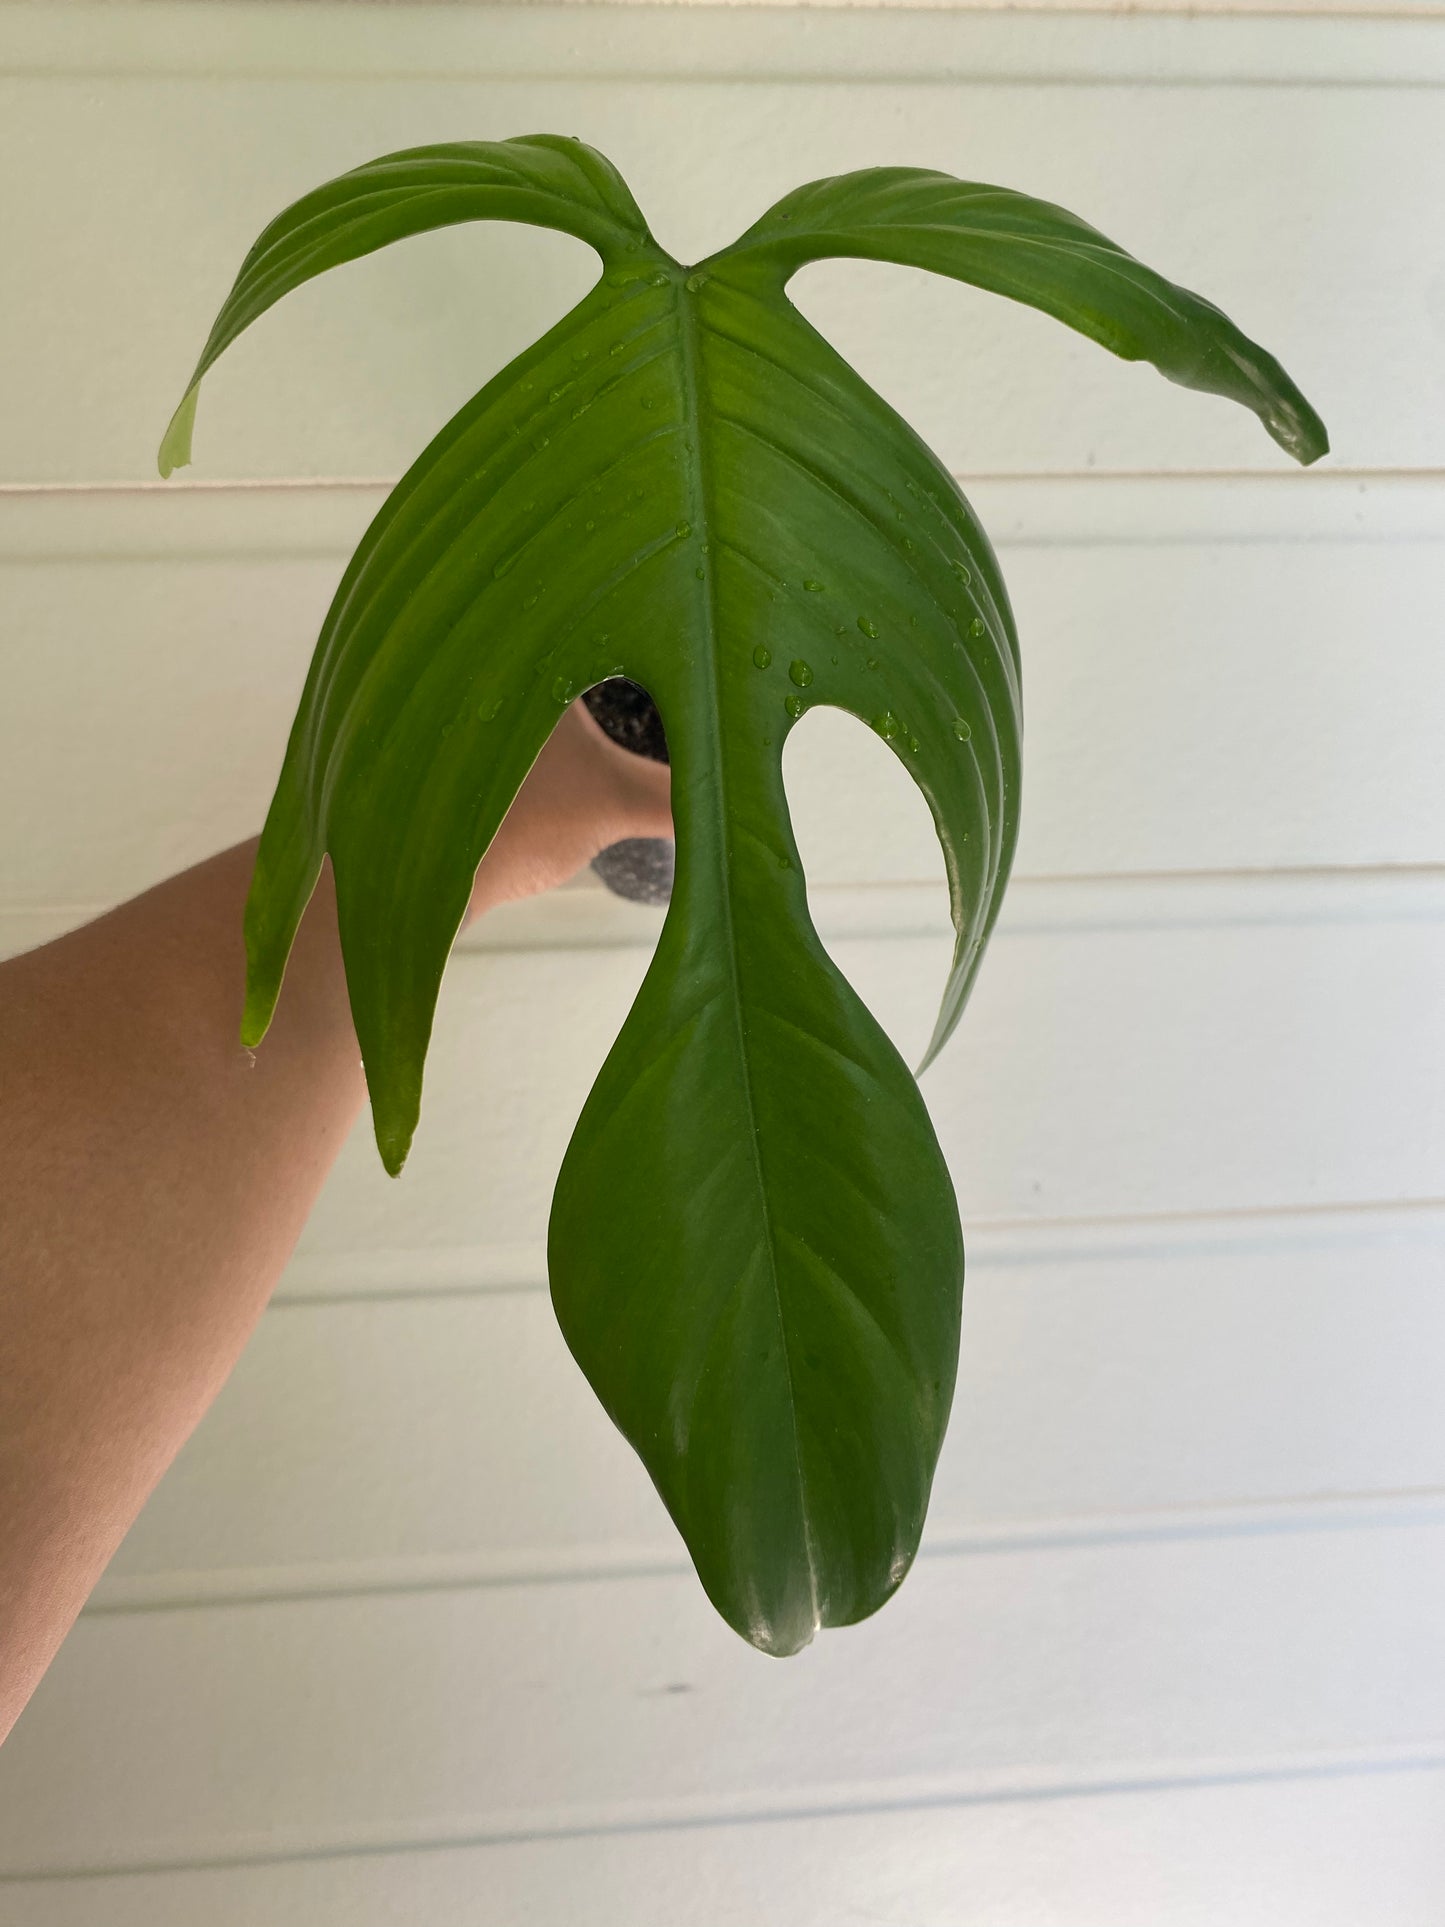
(154, 1176)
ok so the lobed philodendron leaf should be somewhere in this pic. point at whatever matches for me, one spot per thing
(755, 1250)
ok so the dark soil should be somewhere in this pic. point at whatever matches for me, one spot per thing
(629, 715)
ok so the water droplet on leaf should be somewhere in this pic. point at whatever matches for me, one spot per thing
(812, 586)
(887, 725)
(976, 627)
(684, 528)
(489, 712)
(694, 282)
(562, 690)
(961, 729)
(507, 562)
(762, 656)
(801, 673)
(869, 627)
(794, 706)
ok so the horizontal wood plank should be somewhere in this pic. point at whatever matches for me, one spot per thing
(1130, 1049)
(411, 40)
(1332, 1850)
(1272, 133)
(415, 1718)
(1204, 683)
(1134, 1048)
(1113, 1383)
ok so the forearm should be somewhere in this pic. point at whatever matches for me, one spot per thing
(154, 1177)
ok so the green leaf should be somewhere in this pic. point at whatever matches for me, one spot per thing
(1042, 255)
(542, 179)
(754, 1249)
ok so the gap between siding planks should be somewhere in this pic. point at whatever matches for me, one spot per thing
(584, 915)
(473, 1271)
(1108, 1781)
(202, 1590)
(172, 520)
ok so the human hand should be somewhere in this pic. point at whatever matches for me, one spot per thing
(583, 793)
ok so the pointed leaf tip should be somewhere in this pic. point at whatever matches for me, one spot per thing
(1299, 431)
(1042, 255)
(393, 1142)
(175, 448)
(255, 1020)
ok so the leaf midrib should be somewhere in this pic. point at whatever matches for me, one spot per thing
(690, 357)
(459, 455)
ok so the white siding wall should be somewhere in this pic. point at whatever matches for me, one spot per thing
(405, 1635)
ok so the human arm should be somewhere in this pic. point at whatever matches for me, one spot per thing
(155, 1175)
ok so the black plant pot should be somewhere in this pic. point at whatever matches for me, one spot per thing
(640, 867)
